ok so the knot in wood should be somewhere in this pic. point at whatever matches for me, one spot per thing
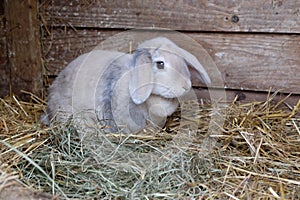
(235, 19)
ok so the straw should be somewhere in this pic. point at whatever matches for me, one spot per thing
(254, 155)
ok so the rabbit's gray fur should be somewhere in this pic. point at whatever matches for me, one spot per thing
(103, 86)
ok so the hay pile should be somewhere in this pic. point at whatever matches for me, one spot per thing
(254, 155)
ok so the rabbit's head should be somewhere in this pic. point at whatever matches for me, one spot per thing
(162, 68)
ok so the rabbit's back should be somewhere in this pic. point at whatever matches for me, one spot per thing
(75, 87)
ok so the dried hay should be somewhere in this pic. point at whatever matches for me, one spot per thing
(256, 155)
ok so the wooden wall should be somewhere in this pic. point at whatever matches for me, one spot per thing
(4, 72)
(20, 54)
(255, 44)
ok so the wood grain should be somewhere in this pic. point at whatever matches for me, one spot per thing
(23, 45)
(255, 62)
(4, 70)
(240, 96)
(280, 16)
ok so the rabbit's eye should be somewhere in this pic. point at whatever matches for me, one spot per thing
(160, 65)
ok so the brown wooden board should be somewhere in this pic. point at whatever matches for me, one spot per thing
(242, 96)
(23, 46)
(4, 70)
(281, 16)
(255, 62)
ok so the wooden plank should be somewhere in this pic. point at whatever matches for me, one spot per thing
(4, 71)
(24, 46)
(246, 96)
(63, 45)
(1, 7)
(281, 16)
(253, 62)
(256, 62)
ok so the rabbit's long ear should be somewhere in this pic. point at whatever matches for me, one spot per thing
(197, 69)
(141, 80)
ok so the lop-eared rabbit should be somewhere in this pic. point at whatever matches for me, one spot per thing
(124, 92)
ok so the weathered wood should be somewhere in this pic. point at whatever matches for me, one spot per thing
(4, 71)
(243, 96)
(253, 62)
(23, 46)
(256, 62)
(227, 16)
(1, 7)
(63, 45)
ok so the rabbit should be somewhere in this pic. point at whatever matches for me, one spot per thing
(124, 92)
